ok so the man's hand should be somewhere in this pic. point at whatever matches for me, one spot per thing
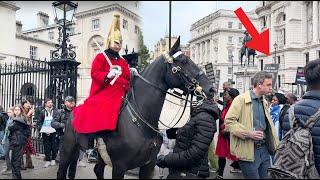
(256, 135)
(160, 161)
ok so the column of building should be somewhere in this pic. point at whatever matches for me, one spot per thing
(315, 21)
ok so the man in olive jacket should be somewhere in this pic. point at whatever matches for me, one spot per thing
(253, 136)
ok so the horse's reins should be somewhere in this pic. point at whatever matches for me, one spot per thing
(192, 86)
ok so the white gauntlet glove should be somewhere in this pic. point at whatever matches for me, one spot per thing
(112, 73)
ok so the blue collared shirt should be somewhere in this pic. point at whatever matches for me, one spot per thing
(259, 118)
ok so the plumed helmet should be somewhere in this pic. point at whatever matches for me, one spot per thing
(114, 32)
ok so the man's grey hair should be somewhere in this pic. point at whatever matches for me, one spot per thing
(259, 78)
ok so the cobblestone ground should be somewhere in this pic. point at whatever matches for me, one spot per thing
(39, 172)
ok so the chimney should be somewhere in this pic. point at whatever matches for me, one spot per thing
(42, 19)
(18, 26)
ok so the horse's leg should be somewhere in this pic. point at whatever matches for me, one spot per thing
(99, 168)
(118, 172)
(147, 171)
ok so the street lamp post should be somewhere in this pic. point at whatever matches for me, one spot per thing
(64, 12)
(63, 66)
(275, 45)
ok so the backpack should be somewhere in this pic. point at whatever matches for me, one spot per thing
(294, 157)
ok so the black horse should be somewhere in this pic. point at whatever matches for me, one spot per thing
(251, 52)
(137, 141)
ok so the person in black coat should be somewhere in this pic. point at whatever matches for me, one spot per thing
(59, 122)
(19, 133)
(308, 106)
(189, 158)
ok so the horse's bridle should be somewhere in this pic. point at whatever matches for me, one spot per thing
(191, 83)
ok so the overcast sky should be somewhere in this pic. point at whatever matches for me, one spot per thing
(155, 17)
(154, 14)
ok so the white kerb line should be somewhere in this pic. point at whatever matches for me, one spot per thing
(108, 60)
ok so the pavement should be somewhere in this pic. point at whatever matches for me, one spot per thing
(39, 172)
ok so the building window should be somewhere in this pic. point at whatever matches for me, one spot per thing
(240, 39)
(136, 29)
(279, 81)
(261, 64)
(264, 21)
(33, 52)
(96, 52)
(125, 24)
(284, 36)
(240, 26)
(278, 57)
(229, 25)
(229, 70)
(95, 24)
(318, 54)
(284, 17)
(229, 39)
(51, 35)
(307, 58)
(230, 56)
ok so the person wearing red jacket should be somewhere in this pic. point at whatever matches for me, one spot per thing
(223, 144)
(100, 110)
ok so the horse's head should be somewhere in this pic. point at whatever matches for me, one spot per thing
(184, 74)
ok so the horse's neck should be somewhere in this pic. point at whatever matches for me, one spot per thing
(149, 99)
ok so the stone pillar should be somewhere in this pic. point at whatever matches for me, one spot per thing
(198, 53)
(315, 21)
(304, 37)
(211, 51)
(208, 51)
(195, 53)
(201, 53)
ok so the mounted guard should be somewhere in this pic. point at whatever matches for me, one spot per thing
(110, 75)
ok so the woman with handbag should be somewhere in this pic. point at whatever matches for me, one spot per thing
(223, 144)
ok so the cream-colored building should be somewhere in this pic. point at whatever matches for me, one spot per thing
(92, 21)
(217, 39)
(295, 27)
(163, 45)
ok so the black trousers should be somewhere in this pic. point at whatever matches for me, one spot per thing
(91, 138)
(72, 167)
(51, 145)
(222, 165)
(16, 160)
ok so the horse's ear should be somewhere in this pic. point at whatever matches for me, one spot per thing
(176, 47)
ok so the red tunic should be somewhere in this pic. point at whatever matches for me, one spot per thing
(101, 109)
(223, 144)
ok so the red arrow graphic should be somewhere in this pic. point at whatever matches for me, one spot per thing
(259, 42)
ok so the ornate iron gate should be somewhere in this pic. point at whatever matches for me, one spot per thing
(25, 79)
